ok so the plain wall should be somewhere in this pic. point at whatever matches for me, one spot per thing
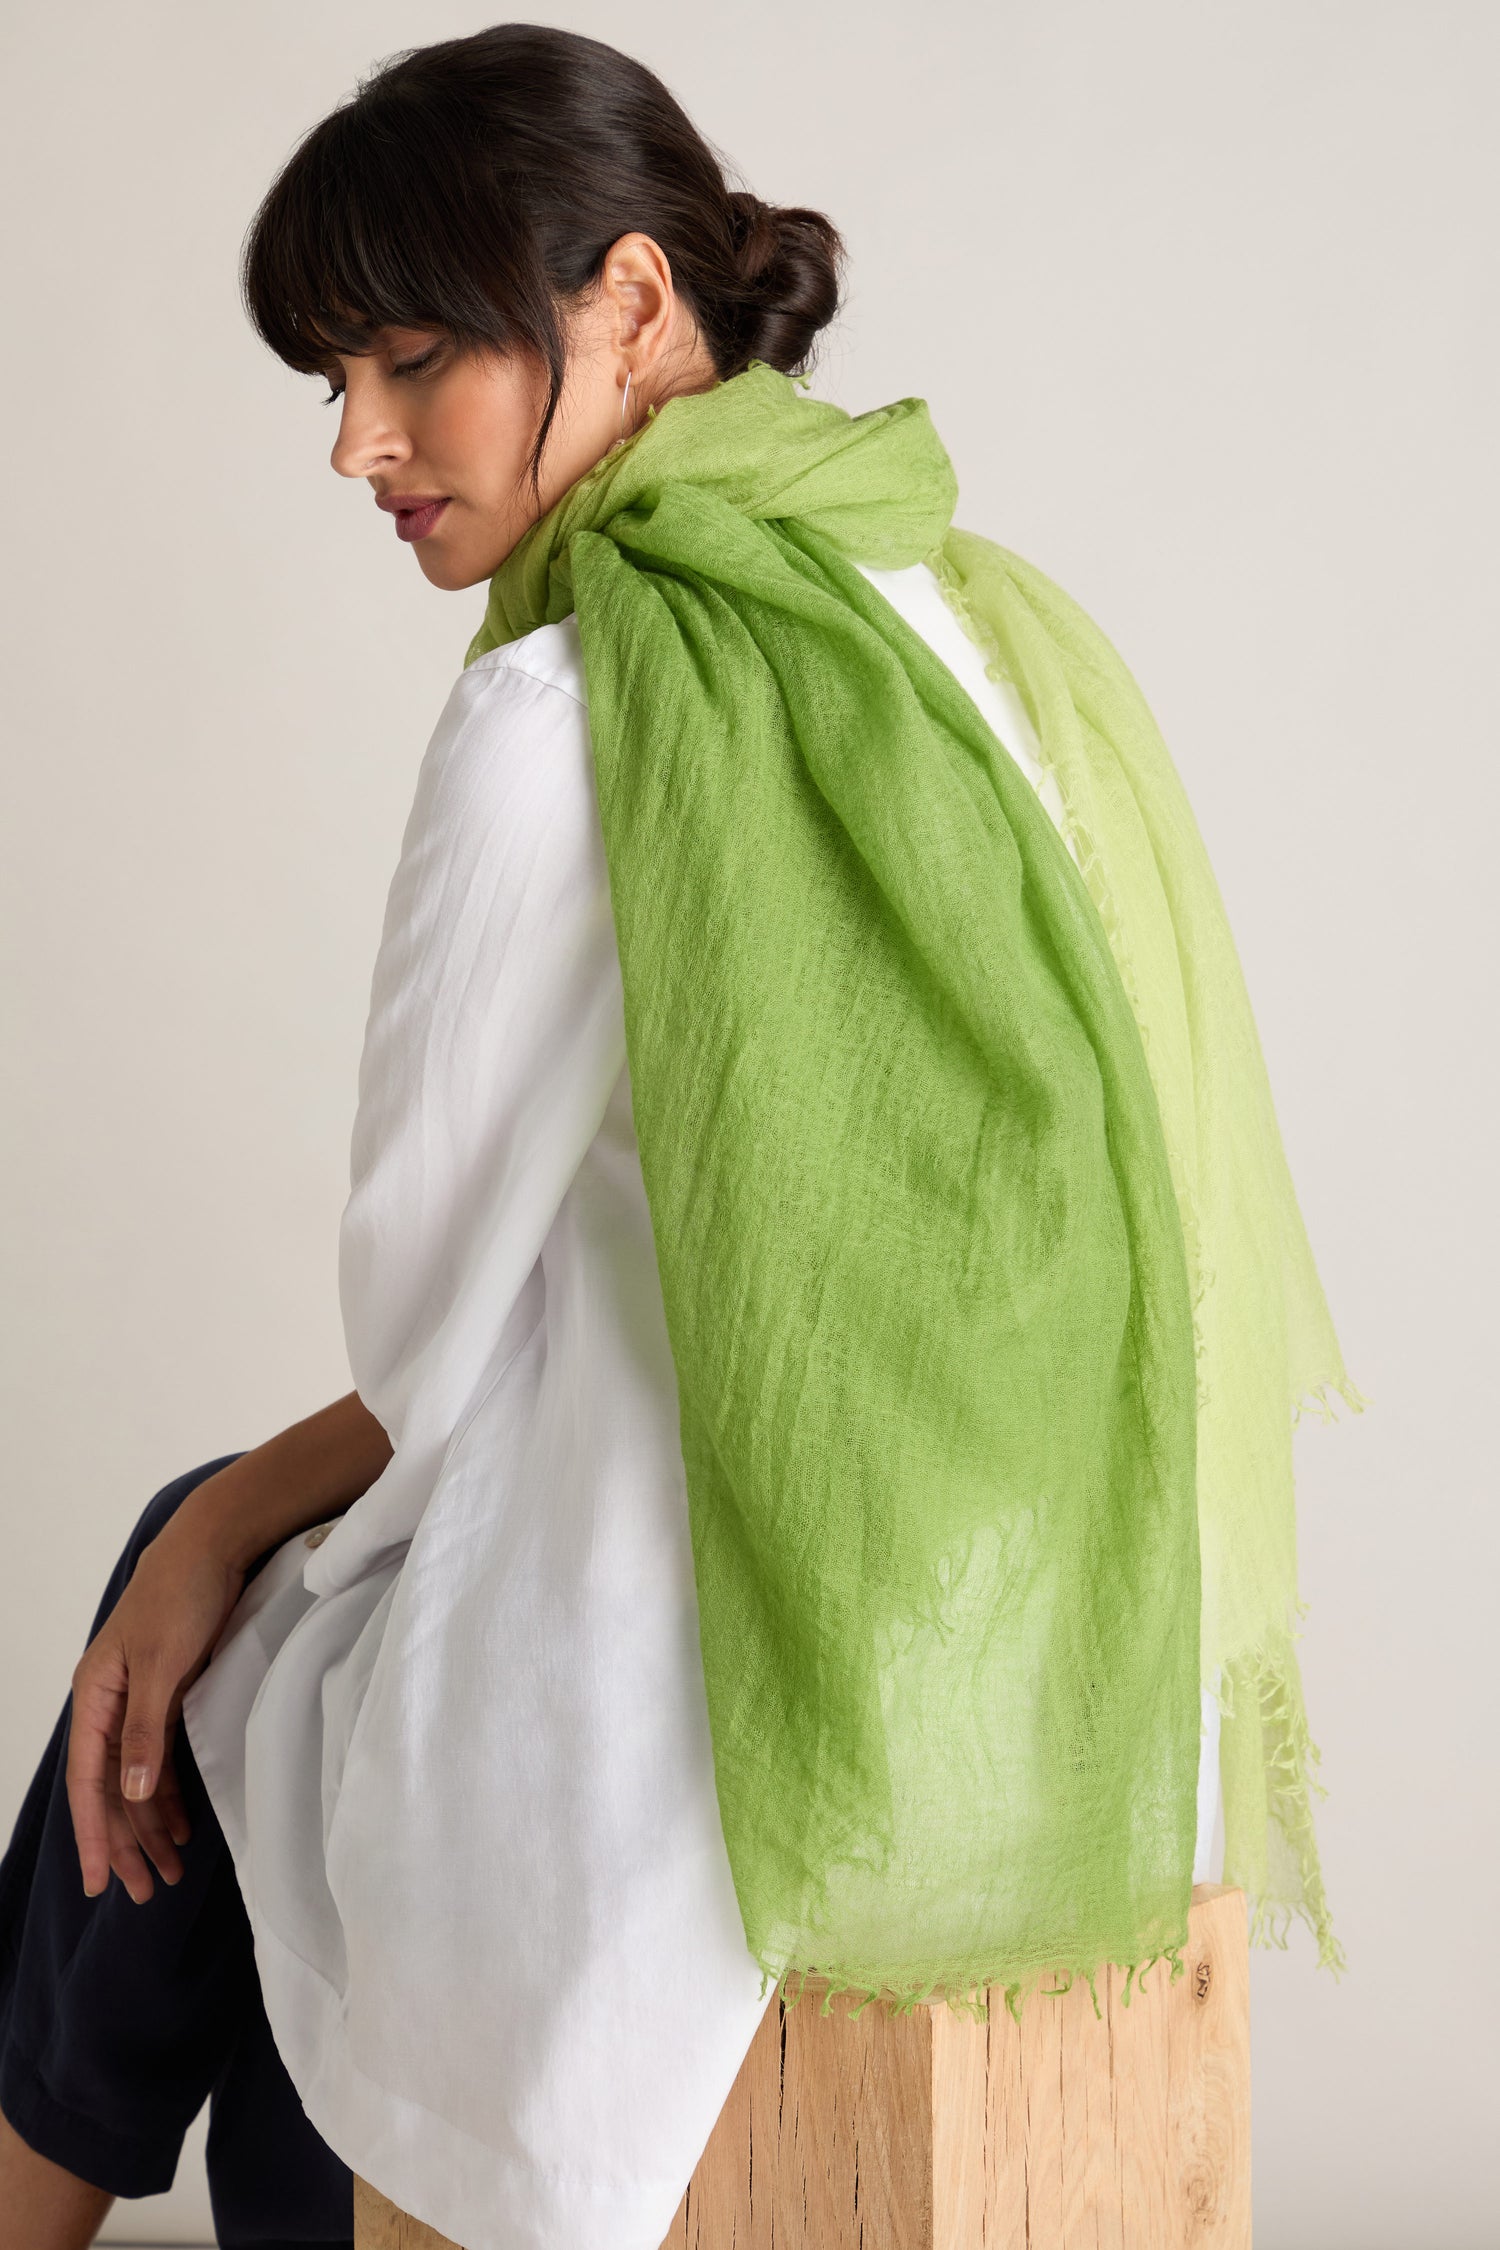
(1203, 302)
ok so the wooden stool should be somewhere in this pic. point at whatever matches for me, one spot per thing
(1128, 2131)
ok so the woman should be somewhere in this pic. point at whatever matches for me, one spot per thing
(820, 1278)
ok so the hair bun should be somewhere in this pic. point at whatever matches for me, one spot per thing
(789, 263)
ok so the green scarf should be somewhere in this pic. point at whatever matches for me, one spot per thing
(986, 1287)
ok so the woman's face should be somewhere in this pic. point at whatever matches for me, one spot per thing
(443, 436)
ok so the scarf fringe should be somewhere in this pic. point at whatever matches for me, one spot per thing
(1291, 1760)
(966, 1992)
(1344, 1386)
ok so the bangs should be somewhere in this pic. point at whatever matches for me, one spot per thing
(365, 229)
(474, 187)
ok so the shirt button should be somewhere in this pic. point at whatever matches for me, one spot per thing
(317, 1535)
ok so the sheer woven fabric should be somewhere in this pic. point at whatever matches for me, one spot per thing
(1265, 1342)
(921, 1136)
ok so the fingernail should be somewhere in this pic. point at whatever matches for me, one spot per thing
(137, 1781)
(92, 1890)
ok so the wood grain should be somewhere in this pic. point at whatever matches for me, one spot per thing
(1129, 2130)
(378, 2225)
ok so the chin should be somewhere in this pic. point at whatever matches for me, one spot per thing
(439, 570)
(449, 573)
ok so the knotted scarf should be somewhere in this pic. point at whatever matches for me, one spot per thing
(988, 1294)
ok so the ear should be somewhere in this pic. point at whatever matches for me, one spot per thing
(636, 284)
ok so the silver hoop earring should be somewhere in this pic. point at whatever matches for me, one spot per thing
(625, 395)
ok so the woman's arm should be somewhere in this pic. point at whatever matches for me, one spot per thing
(129, 1683)
(495, 1039)
(303, 1475)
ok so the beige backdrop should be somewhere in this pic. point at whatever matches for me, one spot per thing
(1203, 302)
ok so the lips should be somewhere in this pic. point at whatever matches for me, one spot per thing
(414, 513)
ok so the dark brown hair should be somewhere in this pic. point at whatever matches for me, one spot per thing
(475, 185)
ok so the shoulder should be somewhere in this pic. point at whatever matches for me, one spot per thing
(550, 656)
(506, 797)
(516, 721)
(531, 692)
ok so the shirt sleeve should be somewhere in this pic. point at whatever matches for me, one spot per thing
(494, 1040)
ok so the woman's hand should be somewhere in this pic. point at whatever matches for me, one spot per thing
(129, 1683)
(127, 1697)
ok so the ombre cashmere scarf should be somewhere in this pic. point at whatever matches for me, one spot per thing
(989, 1299)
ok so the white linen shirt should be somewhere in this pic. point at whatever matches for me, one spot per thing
(458, 1740)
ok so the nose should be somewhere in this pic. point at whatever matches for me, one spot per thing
(368, 438)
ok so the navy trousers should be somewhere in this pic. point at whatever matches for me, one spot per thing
(118, 2021)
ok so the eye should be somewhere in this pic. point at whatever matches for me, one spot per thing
(419, 365)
